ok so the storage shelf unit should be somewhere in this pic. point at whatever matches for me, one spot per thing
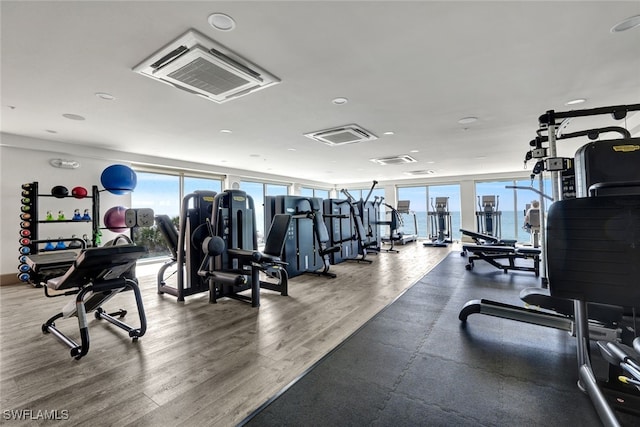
(31, 225)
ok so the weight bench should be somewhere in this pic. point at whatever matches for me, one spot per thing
(96, 276)
(487, 239)
(494, 253)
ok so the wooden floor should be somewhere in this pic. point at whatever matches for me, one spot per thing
(199, 363)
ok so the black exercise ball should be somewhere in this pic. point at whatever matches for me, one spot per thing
(59, 191)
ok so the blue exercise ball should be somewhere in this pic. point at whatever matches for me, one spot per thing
(118, 179)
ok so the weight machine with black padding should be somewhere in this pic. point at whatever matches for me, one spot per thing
(233, 221)
(593, 257)
(341, 227)
(308, 246)
(185, 245)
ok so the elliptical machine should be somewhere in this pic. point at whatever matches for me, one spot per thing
(440, 223)
(488, 217)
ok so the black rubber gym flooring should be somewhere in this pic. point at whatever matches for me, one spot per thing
(416, 364)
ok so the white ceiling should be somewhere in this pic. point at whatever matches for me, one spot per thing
(414, 68)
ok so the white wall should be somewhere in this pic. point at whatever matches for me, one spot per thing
(21, 165)
(25, 160)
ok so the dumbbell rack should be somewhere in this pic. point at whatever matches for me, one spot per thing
(30, 239)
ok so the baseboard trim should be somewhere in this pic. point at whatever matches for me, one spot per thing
(9, 279)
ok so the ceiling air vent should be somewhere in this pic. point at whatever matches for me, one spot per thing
(199, 65)
(421, 172)
(395, 160)
(347, 134)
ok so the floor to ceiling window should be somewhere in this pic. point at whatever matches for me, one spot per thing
(258, 191)
(422, 202)
(314, 192)
(511, 203)
(163, 192)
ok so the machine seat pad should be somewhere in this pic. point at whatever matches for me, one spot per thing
(98, 264)
(494, 249)
(528, 251)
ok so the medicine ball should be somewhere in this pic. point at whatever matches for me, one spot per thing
(59, 191)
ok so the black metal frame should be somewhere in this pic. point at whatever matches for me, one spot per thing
(98, 274)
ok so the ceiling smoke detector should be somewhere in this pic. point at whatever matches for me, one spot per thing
(395, 160)
(342, 135)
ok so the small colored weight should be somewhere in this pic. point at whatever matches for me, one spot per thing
(24, 268)
(22, 259)
(25, 233)
(25, 224)
(26, 193)
(61, 216)
(49, 246)
(86, 216)
(25, 200)
(76, 215)
(25, 216)
(25, 208)
(59, 191)
(26, 186)
(25, 250)
(24, 277)
(25, 242)
(74, 244)
(49, 216)
(61, 245)
(79, 192)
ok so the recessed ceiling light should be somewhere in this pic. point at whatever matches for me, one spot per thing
(575, 101)
(389, 132)
(225, 131)
(254, 155)
(467, 120)
(72, 116)
(414, 151)
(626, 24)
(291, 149)
(430, 162)
(339, 101)
(221, 21)
(105, 96)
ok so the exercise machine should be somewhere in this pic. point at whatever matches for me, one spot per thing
(233, 220)
(500, 253)
(269, 261)
(439, 223)
(341, 228)
(185, 245)
(398, 232)
(96, 276)
(532, 223)
(592, 255)
(396, 229)
(488, 217)
(602, 273)
(308, 247)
